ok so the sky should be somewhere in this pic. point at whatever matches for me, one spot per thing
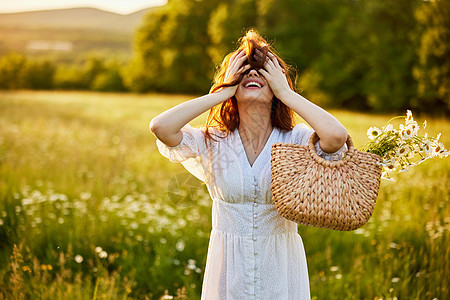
(117, 6)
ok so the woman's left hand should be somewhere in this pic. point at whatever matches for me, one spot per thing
(275, 76)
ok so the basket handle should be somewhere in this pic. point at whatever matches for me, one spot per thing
(312, 149)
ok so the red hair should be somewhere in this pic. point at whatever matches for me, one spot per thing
(225, 116)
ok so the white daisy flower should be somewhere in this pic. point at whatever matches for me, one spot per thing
(373, 132)
(406, 132)
(414, 127)
(409, 117)
(390, 165)
(438, 149)
(427, 147)
(403, 150)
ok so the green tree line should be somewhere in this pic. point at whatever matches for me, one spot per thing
(377, 55)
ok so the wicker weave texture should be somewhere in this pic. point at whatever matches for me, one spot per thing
(312, 191)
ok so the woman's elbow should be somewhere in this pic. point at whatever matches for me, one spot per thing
(335, 140)
(155, 126)
(340, 137)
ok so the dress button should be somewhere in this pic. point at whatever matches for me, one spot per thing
(255, 204)
(255, 226)
(254, 238)
(254, 216)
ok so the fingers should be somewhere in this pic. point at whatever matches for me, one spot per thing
(273, 59)
(237, 59)
(273, 63)
(264, 73)
(244, 68)
(235, 64)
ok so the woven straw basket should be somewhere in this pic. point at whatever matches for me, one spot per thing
(310, 190)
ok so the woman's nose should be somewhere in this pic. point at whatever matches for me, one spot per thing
(253, 73)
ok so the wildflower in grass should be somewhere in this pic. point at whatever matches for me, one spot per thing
(78, 258)
(180, 245)
(403, 148)
(334, 268)
(98, 249)
(373, 132)
(26, 269)
(103, 254)
(395, 279)
(46, 267)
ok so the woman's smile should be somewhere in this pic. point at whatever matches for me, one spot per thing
(253, 84)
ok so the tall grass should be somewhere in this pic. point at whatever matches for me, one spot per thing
(90, 210)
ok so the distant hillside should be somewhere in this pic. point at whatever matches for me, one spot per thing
(73, 18)
(69, 34)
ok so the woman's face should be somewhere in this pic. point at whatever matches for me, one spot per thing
(254, 88)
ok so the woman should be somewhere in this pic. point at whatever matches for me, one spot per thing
(253, 252)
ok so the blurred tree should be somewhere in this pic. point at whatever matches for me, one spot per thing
(18, 72)
(296, 27)
(93, 67)
(69, 77)
(228, 21)
(432, 70)
(342, 61)
(170, 49)
(109, 80)
(369, 55)
(13, 71)
(390, 52)
(40, 75)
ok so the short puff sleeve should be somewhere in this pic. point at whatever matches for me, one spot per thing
(188, 152)
(301, 135)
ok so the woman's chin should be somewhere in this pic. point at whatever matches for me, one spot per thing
(253, 95)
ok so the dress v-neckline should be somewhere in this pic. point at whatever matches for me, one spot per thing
(259, 154)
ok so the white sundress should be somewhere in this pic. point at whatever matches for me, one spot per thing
(253, 252)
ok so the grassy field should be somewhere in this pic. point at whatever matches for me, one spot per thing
(89, 209)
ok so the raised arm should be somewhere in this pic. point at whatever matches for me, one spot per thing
(330, 131)
(166, 126)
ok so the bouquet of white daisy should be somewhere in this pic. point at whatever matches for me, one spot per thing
(403, 148)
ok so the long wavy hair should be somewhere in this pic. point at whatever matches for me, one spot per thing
(225, 116)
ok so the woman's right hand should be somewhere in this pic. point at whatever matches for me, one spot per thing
(235, 68)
